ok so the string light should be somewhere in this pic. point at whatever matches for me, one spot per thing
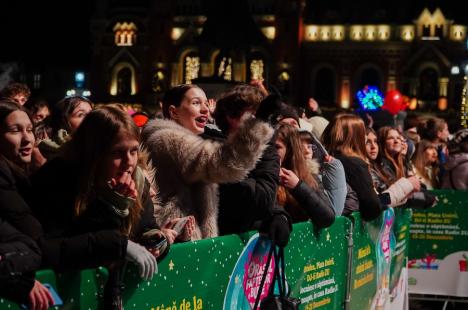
(370, 98)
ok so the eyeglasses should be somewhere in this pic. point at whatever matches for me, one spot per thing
(312, 147)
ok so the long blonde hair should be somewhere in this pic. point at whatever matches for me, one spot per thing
(346, 134)
(91, 142)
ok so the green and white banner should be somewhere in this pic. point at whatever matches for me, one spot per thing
(438, 255)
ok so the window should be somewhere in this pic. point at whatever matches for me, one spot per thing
(256, 69)
(191, 68)
(224, 67)
(125, 34)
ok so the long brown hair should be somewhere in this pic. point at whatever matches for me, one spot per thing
(346, 134)
(294, 158)
(397, 160)
(88, 147)
(419, 161)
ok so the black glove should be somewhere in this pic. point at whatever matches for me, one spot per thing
(268, 107)
(278, 227)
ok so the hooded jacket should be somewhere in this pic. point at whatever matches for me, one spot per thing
(456, 172)
(187, 168)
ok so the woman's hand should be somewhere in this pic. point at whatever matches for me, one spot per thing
(125, 185)
(415, 182)
(170, 233)
(189, 227)
(40, 297)
(288, 178)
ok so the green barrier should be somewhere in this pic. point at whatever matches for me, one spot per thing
(317, 265)
(196, 275)
(363, 284)
(401, 230)
(438, 255)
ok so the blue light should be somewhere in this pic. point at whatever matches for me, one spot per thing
(370, 98)
(79, 79)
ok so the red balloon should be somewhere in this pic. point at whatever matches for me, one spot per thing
(394, 102)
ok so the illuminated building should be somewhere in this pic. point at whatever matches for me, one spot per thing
(140, 48)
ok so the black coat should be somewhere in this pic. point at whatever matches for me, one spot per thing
(244, 204)
(64, 248)
(19, 258)
(315, 204)
(359, 179)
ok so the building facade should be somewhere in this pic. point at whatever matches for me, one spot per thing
(141, 48)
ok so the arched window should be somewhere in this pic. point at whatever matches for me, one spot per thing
(223, 67)
(426, 31)
(325, 87)
(428, 86)
(124, 82)
(256, 67)
(191, 67)
(439, 31)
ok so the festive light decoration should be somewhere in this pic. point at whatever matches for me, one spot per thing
(463, 108)
(370, 98)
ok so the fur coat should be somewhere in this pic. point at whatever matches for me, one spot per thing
(187, 168)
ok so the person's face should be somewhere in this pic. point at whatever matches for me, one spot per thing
(122, 157)
(372, 147)
(20, 99)
(430, 155)
(290, 121)
(17, 138)
(443, 134)
(78, 114)
(41, 114)
(193, 111)
(393, 142)
(307, 149)
(281, 149)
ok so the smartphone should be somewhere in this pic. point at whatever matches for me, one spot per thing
(161, 245)
(179, 226)
(319, 150)
(57, 300)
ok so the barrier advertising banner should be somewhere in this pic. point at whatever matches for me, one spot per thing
(438, 255)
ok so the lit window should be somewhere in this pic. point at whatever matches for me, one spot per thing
(125, 34)
(225, 68)
(256, 69)
(192, 67)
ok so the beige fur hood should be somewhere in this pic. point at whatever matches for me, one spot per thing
(187, 168)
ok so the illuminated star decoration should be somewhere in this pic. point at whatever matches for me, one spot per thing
(370, 98)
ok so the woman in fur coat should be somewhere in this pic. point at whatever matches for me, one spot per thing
(188, 167)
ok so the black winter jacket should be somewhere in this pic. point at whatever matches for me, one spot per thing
(19, 258)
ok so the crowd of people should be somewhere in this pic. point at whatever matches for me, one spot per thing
(82, 187)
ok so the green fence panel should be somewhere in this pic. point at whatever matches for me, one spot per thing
(316, 265)
(401, 230)
(438, 254)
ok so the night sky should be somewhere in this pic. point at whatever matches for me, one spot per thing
(32, 30)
